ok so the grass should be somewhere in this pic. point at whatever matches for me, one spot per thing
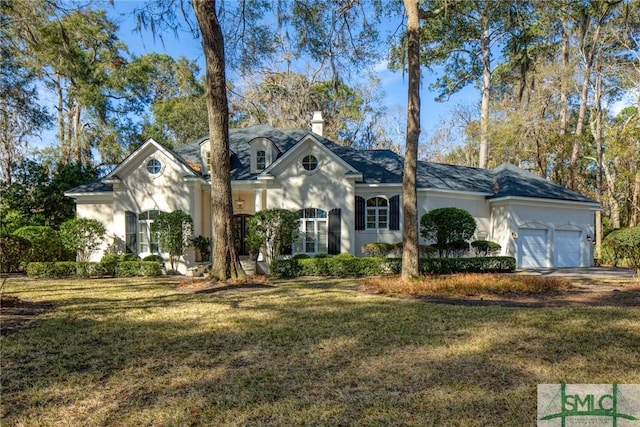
(136, 352)
(464, 285)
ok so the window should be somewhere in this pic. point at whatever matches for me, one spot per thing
(377, 213)
(154, 166)
(130, 232)
(313, 231)
(309, 162)
(261, 160)
(148, 241)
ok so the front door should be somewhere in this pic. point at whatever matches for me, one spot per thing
(240, 233)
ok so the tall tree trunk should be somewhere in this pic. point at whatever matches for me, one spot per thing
(564, 76)
(589, 55)
(410, 253)
(598, 136)
(634, 220)
(486, 88)
(65, 153)
(226, 264)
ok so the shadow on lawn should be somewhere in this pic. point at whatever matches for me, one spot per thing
(302, 354)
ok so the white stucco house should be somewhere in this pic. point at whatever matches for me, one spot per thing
(345, 197)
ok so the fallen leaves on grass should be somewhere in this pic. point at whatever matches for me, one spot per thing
(466, 285)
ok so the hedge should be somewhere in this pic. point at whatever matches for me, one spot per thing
(93, 269)
(369, 266)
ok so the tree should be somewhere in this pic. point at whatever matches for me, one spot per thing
(45, 244)
(274, 229)
(36, 194)
(285, 100)
(174, 232)
(82, 236)
(226, 263)
(447, 225)
(410, 249)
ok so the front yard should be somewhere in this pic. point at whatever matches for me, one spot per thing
(134, 352)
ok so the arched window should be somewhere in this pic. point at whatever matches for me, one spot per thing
(147, 240)
(261, 160)
(313, 231)
(377, 213)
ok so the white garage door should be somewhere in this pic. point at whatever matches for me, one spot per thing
(566, 248)
(532, 248)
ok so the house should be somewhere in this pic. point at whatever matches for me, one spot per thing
(345, 197)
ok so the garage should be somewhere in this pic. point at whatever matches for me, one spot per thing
(566, 248)
(532, 248)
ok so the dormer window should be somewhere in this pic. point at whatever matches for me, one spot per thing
(261, 160)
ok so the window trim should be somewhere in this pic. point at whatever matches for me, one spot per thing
(377, 210)
(318, 241)
(154, 166)
(145, 221)
(312, 160)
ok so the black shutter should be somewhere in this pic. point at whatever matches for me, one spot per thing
(359, 213)
(131, 232)
(394, 213)
(335, 227)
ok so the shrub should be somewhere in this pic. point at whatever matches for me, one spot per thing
(286, 267)
(427, 251)
(138, 268)
(46, 245)
(154, 258)
(321, 255)
(368, 266)
(458, 248)
(485, 247)
(90, 269)
(273, 229)
(301, 256)
(446, 225)
(40, 269)
(129, 257)
(12, 250)
(108, 263)
(344, 255)
(499, 264)
(623, 245)
(377, 249)
(82, 236)
(174, 232)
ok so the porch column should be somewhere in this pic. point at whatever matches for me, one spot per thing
(258, 202)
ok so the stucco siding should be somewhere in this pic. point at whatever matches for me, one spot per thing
(100, 209)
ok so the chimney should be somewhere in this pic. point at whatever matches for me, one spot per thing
(317, 123)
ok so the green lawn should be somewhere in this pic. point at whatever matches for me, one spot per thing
(135, 352)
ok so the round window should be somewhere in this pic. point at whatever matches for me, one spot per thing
(154, 166)
(310, 162)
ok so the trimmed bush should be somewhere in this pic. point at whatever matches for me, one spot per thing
(377, 249)
(138, 268)
(40, 269)
(129, 257)
(457, 248)
(13, 249)
(369, 266)
(154, 258)
(321, 255)
(485, 247)
(301, 256)
(90, 269)
(108, 263)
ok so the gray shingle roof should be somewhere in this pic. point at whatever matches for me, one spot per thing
(92, 187)
(380, 167)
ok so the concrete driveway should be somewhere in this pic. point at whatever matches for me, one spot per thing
(582, 272)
